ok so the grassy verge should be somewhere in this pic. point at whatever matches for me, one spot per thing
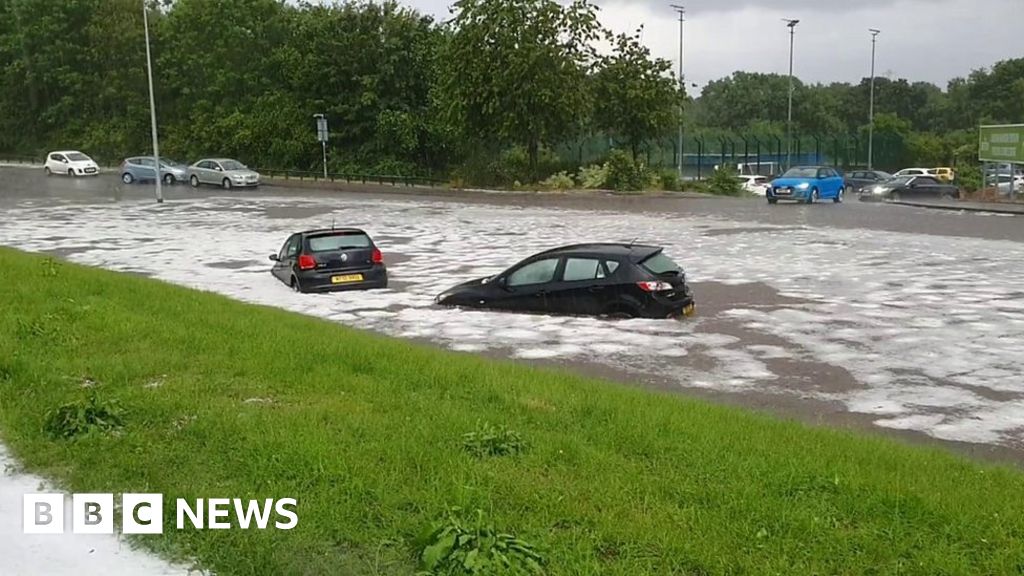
(223, 399)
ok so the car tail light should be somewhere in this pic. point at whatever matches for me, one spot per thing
(307, 262)
(378, 258)
(654, 286)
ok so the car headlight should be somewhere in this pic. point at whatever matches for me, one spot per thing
(803, 186)
(879, 190)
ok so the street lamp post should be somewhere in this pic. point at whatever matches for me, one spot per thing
(871, 106)
(681, 10)
(791, 24)
(152, 108)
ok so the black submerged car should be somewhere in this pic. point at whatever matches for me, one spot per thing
(909, 188)
(330, 260)
(616, 280)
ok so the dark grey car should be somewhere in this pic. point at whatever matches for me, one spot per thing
(910, 188)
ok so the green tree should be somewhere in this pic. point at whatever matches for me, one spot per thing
(515, 70)
(635, 98)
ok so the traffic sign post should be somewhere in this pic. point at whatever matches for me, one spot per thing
(322, 136)
(1002, 144)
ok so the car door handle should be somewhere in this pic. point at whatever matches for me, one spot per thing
(595, 289)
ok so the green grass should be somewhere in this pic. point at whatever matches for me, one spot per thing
(368, 434)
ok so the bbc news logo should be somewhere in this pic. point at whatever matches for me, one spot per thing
(144, 513)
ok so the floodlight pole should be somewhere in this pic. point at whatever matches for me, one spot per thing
(791, 24)
(681, 10)
(871, 106)
(152, 109)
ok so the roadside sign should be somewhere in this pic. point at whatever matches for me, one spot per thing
(321, 128)
(1001, 143)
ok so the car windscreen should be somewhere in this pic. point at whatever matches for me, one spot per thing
(660, 264)
(884, 175)
(900, 180)
(78, 157)
(232, 165)
(341, 241)
(801, 173)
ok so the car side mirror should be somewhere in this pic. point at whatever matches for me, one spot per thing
(275, 258)
(64, 160)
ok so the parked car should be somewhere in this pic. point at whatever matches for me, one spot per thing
(601, 279)
(914, 172)
(943, 174)
(142, 169)
(807, 184)
(1002, 183)
(223, 172)
(329, 261)
(70, 162)
(860, 178)
(907, 187)
(754, 183)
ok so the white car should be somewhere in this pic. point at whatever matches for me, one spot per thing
(915, 172)
(70, 162)
(754, 183)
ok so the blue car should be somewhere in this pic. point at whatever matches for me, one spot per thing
(141, 169)
(807, 184)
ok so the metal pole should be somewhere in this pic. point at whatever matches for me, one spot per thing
(789, 115)
(325, 159)
(152, 109)
(682, 86)
(871, 109)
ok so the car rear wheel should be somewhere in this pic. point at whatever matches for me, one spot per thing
(619, 312)
(194, 181)
(839, 196)
(296, 287)
(127, 178)
(226, 184)
(169, 179)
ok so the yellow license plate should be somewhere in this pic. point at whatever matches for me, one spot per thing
(689, 310)
(346, 278)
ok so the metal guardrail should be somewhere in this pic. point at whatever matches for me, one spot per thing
(349, 177)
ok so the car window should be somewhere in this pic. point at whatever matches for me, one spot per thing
(78, 157)
(859, 175)
(925, 181)
(537, 272)
(339, 241)
(823, 173)
(612, 266)
(232, 165)
(577, 269)
(660, 263)
(56, 157)
(760, 180)
(146, 162)
(293, 246)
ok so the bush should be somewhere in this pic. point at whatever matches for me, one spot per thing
(670, 180)
(456, 546)
(559, 181)
(969, 178)
(623, 173)
(594, 176)
(724, 182)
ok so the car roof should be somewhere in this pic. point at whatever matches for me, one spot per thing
(66, 152)
(635, 252)
(343, 230)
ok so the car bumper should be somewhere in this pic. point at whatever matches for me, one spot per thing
(315, 281)
(788, 194)
(678, 306)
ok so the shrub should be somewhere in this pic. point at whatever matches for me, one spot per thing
(558, 181)
(84, 417)
(669, 180)
(594, 176)
(969, 178)
(724, 182)
(457, 546)
(489, 440)
(623, 173)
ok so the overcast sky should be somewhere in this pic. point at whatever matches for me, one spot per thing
(931, 40)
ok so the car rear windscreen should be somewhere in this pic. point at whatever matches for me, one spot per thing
(660, 264)
(341, 241)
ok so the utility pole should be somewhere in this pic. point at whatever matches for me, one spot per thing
(322, 136)
(152, 109)
(791, 24)
(871, 107)
(681, 10)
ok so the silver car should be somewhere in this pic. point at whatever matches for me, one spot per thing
(223, 172)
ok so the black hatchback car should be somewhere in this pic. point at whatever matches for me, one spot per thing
(330, 260)
(616, 280)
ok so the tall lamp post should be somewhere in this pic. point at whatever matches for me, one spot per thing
(871, 106)
(791, 24)
(152, 108)
(681, 10)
